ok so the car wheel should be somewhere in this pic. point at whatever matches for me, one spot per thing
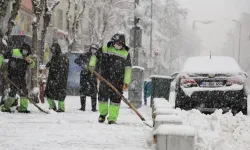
(182, 101)
(242, 105)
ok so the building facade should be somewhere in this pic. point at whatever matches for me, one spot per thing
(24, 19)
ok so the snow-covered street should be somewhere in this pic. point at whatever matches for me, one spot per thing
(72, 130)
(80, 130)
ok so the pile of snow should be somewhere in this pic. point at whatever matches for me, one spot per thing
(219, 131)
(165, 111)
(181, 130)
(217, 64)
(168, 118)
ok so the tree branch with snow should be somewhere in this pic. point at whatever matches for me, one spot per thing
(73, 29)
(105, 18)
(37, 7)
(46, 21)
(11, 23)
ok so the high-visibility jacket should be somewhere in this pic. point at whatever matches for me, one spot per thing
(114, 65)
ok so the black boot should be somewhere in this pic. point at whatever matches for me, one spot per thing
(24, 111)
(15, 103)
(111, 122)
(145, 101)
(93, 103)
(101, 119)
(94, 109)
(83, 103)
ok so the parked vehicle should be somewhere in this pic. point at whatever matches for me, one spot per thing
(211, 82)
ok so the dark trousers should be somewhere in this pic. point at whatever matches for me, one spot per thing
(21, 84)
(145, 99)
(106, 93)
(93, 101)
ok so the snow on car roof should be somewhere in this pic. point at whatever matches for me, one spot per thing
(217, 64)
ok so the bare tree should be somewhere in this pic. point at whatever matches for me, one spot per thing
(7, 26)
(106, 17)
(46, 21)
(69, 17)
(11, 23)
(73, 29)
(37, 6)
(3, 10)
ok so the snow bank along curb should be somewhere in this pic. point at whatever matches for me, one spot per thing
(167, 119)
(175, 137)
(160, 103)
(164, 111)
(169, 132)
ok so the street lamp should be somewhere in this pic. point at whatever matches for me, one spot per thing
(203, 22)
(239, 40)
(233, 41)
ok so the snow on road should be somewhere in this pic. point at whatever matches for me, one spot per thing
(80, 130)
(73, 130)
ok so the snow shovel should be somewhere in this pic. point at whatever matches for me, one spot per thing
(123, 98)
(38, 107)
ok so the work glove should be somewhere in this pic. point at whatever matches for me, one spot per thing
(125, 87)
(91, 69)
(29, 60)
(1, 60)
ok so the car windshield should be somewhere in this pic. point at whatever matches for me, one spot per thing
(215, 65)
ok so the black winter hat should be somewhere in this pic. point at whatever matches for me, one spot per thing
(119, 37)
(55, 49)
(27, 47)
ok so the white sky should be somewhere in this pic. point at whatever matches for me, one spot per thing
(214, 35)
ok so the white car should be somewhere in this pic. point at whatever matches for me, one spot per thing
(211, 82)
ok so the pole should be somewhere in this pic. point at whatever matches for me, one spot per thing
(136, 21)
(151, 37)
(239, 40)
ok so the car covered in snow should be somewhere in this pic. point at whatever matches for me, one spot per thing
(208, 83)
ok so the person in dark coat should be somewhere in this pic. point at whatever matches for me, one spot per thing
(115, 66)
(147, 90)
(57, 78)
(18, 64)
(3, 49)
(88, 82)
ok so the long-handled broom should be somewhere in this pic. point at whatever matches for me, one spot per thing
(32, 102)
(123, 98)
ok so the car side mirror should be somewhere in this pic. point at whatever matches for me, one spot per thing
(174, 75)
(245, 74)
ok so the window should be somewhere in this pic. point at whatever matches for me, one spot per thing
(60, 19)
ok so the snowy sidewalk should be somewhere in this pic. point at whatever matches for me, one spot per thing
(73, 130)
